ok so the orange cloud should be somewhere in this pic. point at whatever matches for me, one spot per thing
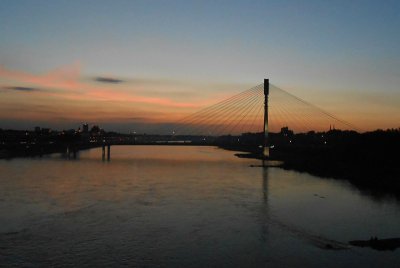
(123, 97)
(64, 96)
(66, 83)
(64, 78)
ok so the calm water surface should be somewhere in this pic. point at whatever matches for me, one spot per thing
(158, 206)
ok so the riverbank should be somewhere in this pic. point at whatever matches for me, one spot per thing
(39, 150)
(374, 173)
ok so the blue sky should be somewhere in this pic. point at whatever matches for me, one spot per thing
(338, 54)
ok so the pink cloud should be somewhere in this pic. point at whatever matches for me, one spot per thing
(106, 95)
(65, 82)
(64, 78)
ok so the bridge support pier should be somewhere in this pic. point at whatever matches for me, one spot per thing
(74, 152)
(266, 129)
(103, 152)
(71, 149)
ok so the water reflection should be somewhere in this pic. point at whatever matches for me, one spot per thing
(264, 212)
(181, 206)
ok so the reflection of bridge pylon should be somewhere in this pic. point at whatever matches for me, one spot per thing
(266, 140)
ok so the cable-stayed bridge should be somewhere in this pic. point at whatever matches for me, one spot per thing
(252, 117)
(245, 112)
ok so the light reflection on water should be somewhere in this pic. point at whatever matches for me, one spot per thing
(182, 206)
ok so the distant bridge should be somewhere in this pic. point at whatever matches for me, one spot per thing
(253, 113)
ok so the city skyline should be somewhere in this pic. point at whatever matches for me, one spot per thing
(65, 63)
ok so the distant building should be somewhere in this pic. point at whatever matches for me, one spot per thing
(85, 128)
(45, 131)
(95, 130)
(286, 132)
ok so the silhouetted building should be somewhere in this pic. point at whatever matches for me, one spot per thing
(286, 132)
(95, 130)
(46, 130)
(85, 128)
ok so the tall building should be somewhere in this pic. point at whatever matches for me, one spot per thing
(286, 132)
(85, 128)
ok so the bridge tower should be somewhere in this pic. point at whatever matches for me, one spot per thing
(266, 138)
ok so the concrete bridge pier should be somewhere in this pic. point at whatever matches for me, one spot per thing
(71, 149)
(74, 152)
(103, 154)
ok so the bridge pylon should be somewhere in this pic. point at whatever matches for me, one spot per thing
(266, 136)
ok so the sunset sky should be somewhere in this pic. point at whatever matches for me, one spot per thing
(120, 63)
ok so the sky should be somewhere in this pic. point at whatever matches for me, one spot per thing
(122, 63)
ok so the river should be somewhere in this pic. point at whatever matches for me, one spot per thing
(183, 206)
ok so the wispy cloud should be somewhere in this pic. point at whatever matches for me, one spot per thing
(24, 89)
(66, 77)
(108, 80)
(67, 83)
(65, 96)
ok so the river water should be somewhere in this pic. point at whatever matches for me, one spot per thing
(167, 206)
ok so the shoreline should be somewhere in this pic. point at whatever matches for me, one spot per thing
(377, 183)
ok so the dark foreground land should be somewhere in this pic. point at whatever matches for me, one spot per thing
(369, 160)
(378, 244)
